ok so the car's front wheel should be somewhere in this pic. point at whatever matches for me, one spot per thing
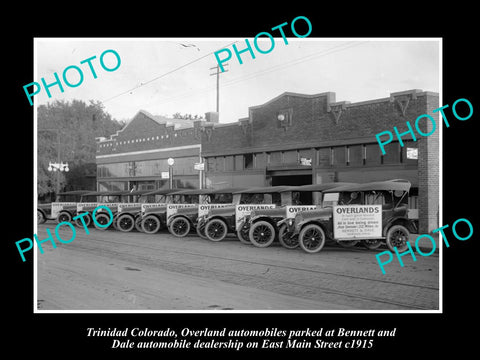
(216, 230)
(312, 238)
(151, 224)
(179, 227)
(262, 234)
(397, 237)
(125, 223)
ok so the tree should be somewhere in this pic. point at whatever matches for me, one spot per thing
(66, 133)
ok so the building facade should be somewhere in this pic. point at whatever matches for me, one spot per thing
(293, 139)
(297, 139)
(136, 157)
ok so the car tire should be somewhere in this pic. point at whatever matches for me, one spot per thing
(347, 244)
(372, 244)
(125, 223)
(288, 242)
(138, 223)
(216, 230)
(179, 227)
(87, 219)
(151, 224)
(201, 231)
(64, 217)
(243, 236)
(40, 217)
(397, 237)
(102, 219)
(312, 238)
(261, 234)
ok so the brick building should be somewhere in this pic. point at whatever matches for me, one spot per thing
(293, 139)
(297, 139)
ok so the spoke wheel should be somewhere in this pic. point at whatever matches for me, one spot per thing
(87, 219)
(397, 237)
(262, 234)
(243, 236)
(216, 230)
(40, 218)
(64, 217)
(347, 243)
(102, 219)
(285, 238)
(372, 244)
(125, 223)
(201, 231)
(312, 238)
(150, 224)
(180, 227)
(138, 223)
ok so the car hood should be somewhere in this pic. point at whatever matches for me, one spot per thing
(156, 209)
(314, 214)
(228, 210)
(187, 211)
(280, 211)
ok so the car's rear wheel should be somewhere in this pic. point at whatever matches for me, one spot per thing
(312, 238)
(262, 234)
(151, 224)
(179, 227)
(201, 231)
(285, 238)
(243, 236)
(372, 244)
(216, 230)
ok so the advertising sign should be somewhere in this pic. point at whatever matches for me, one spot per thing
(86, 205)
(353, 222)
(151, 205)
(205, 208)
(243, 210)
(125, 206)
(293, 209)
(58, 206)
(173, 208)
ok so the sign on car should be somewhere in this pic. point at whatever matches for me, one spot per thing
(354, 222)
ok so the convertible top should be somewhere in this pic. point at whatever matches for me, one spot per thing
(389, 185)
(265, 190)
(75, 192)
(317, 187)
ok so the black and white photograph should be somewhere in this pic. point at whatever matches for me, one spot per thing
(260, 187)
(239, 184)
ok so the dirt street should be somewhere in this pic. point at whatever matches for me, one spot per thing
(112, 270)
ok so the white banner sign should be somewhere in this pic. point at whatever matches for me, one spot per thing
(205, 208)
(173, 208)
(151, 205)
(293, 209)
(352, 222)
(243, 210)
(81, 206)
(58, 206)
(124, 206)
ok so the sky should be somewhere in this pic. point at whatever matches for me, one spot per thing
(168, 75)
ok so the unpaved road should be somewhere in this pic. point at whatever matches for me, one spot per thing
(111, 270)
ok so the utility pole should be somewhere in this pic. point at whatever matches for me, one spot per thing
(218, 83)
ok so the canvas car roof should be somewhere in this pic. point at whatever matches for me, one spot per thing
(396, 184)
(161, 191)
(317, 187)
(193, 192)
(74, 192)
(106, 193)
(265, 189)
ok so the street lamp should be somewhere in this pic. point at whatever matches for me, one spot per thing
(170, 162)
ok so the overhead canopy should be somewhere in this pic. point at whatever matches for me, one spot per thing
(265, 190)
(317, 187)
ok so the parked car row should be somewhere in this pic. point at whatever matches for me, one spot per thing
(308, 216)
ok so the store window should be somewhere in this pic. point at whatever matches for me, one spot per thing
(324, 157)
(239, 162)
(373, 155)
(248, 161)
(229, 163)
(339, 156)
(392, 153)
(260, 160)
(355, 155)
(290, 157)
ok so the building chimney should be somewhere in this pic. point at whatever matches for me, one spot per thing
(212, 116)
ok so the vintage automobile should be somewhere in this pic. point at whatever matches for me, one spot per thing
(129, 215)
(154, 215)
(109, 199)
(264, 226)
(186, 218)
(62, 210)
(219, 222)
(374, 213)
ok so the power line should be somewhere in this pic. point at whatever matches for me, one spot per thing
(163, 75)
(282, 66)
